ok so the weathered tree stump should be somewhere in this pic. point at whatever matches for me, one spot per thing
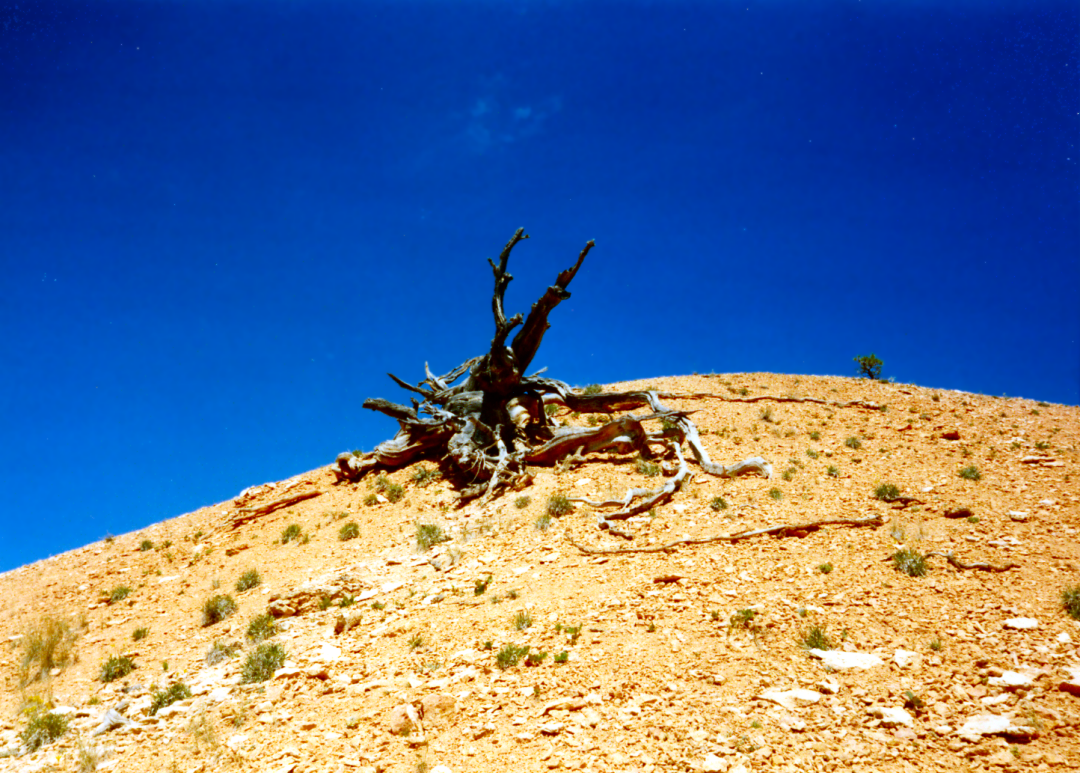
(486, 431)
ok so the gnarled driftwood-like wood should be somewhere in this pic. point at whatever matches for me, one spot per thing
(485, 430)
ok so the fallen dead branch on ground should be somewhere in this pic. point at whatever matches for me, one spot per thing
(784, 530)
(956, 562)
(245, 514)
(868, 404)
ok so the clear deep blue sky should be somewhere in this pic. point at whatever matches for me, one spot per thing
(222, 222)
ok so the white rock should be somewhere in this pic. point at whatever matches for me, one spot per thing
(904, 658)
(236, 741)
(1021, 623)
(985, 724)
(713, 764)
(441, 769)
(583, 482)
(891, 717)
(792, 724)
(842, 661)
(551, 728)
(328, 653)
(790, 699)
(1064, 638)
(218, 695)
(1011, 680)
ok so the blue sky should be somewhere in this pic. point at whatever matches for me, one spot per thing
(221, 223)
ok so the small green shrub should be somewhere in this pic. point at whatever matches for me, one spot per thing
(325, 602)
(522, 502)
(562, 657)
(509, 655)
(718, 503)
(909, 561)
(825, 568)
(869, 366)
(42, 726)
(349, 531)
(217, 608)
(971, 472)
(535, 658)
(346, 601)
(743, 618)
(1070, 601)
(392, 491)
(425, 476)
(219, 652)
(290, 532)
(116, 667)
(573, 632)
(776, 493)
(47, 644)
(146, 545)
(119, 593)
(913, 702)
(428, 535)
(558, 505)
(815, 436)
(480, 586)
(543, 523)
(789, 473)
(832, 471)
(248, 580)
(371, 500)
(262, 662)
(887, 492)
(812, 453)
(647, 468)
(177, 691)
(766, 414)
(592, 389)
(378, 606)
(416, 642)
(853, 443)
(261, 628)
(522, 620)
(935, 644)
(139, 634)
(815, 638)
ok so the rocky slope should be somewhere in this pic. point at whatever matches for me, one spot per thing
(689, 659)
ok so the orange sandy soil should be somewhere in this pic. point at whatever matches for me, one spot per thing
(658, 679)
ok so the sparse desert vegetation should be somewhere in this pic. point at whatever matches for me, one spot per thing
(503, 591)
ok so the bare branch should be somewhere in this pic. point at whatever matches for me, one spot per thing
(789, 530)
(245, 514)
(956, 562)
(527, 341)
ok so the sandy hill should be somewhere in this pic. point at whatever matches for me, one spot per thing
(689, 659)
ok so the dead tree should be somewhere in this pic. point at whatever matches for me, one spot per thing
(487, 430)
